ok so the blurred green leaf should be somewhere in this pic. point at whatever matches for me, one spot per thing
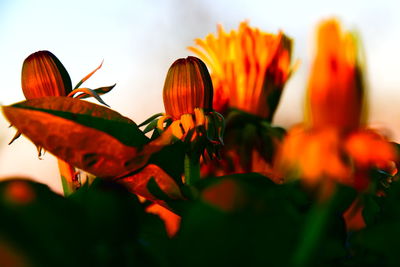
(371, 210)
(323, 236)
(40, 223)
(99, 225)
(377, 244)
(171, 159)
(260, 230)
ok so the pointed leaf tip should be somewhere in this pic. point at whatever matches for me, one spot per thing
(86, 92)
(89, 75)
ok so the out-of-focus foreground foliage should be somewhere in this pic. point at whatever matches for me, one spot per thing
(105, 225)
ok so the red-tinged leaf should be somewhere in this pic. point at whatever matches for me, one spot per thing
(16, 136)
(90, 115)
(226, 194)
(137, 184)
(86, 148)
(171, 220)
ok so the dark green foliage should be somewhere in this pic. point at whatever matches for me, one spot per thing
(265, 225)
(262, 230)
(379, 242)
(170, 159)
(100, 225)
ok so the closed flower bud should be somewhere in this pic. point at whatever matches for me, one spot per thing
(44, 75)
(187, 86)
(189, 114)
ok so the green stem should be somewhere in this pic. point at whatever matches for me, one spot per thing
(314, 227)
(68, 177)
(192, 169)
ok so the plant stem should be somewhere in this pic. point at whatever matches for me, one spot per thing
(314, 227)
(316, 222)
(69, 180)
(191, 169)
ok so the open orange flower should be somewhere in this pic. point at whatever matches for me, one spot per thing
(334, 144)
(248, 68)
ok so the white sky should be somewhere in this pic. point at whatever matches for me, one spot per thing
(138, 41)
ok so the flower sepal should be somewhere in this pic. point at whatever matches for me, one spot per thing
(95, 93)
(199, 131)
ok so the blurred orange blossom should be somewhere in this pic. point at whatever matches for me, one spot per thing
(334, 144)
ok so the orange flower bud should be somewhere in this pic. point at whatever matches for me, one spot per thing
(187, 86)
(44, 75)
(336, 92)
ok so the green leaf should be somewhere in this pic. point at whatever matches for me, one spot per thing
(371, 209)
(261, 228)
(99, 225)
(151, 126)
(100, 91)
(152, 118)
(87, 92)
(171, 159)
(32, 214)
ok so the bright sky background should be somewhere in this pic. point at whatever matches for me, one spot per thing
(139, 39)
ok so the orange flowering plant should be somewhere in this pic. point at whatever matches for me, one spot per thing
(212, 174)
(249, 69)
(334, 146)
(335, 123)
(43, 75)
(188, 101)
